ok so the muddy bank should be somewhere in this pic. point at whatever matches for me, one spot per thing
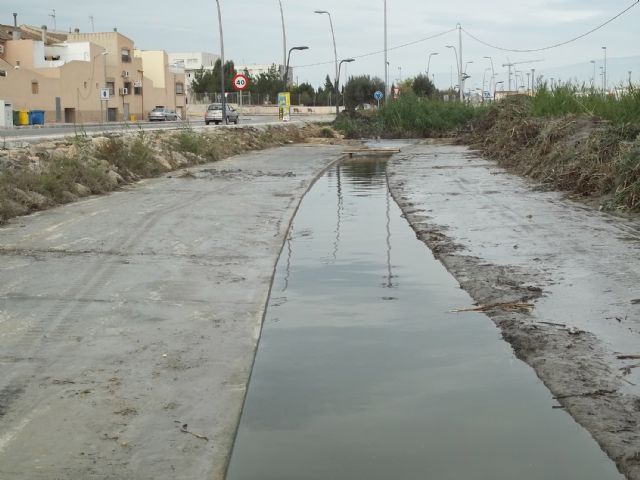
(38, 175)
(560, 280)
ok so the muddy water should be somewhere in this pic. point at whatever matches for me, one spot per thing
(362, 373)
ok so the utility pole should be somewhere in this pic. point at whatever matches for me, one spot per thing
(53, 16)
(386, 60)
(460, 74)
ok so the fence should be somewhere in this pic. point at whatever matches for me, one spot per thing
(255, 99)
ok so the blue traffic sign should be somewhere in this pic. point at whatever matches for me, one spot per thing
(378, 95)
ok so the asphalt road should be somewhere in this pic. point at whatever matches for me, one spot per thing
(50, 131)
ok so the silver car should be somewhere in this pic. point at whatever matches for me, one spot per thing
(162, 114)
(214, 114)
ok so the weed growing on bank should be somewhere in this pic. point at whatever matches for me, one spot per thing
(408, 116)
(573, 151)
(83, 165)
(569, 99)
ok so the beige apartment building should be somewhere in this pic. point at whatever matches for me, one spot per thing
(66, 79)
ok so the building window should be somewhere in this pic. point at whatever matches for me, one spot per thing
(179, 88)
(137, 90)
(112, 88)
(3, 73)
(35, 88)
(126, 55)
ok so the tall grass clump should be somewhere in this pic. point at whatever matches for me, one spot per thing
(569, 99)
(132, 159)
(413, 116)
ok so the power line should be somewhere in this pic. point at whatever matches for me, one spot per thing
(530, 50)
(382, 51)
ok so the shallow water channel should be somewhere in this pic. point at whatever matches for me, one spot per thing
(361, 372)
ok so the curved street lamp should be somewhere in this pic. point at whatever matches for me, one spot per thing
(493, 73)
(335, 51)
(346, 60)
(286, 69)
(284, 38)
(458, 66)
(429, 62)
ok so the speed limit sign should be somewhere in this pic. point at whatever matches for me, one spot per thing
(240, 82)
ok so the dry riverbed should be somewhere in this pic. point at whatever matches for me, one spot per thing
(558, 278)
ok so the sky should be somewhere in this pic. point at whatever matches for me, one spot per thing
(253, 34)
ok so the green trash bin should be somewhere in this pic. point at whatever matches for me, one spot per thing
(16, 117)
(23, 117)
(36, 117)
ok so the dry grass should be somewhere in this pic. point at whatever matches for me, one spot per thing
(93, 169)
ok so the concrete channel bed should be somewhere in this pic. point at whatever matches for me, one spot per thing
(128, 323)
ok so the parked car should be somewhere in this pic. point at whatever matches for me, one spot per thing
(162, 114)
(214, 114)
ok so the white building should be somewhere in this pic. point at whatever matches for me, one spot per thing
(255, 69)
(193, 61)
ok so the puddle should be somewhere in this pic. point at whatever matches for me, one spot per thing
(362, 373)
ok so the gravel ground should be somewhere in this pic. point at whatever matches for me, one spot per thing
(507, 241)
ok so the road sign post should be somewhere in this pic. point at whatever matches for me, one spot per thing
(378, 96)
(240, 83)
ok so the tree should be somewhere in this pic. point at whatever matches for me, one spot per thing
(268, 84)
(359, 90)
(423, 86)
(208, 81)
(204, 82)
(303, 94)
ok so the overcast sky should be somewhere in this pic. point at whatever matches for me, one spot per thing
(253, 32)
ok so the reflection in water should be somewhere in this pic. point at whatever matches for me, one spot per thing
(389, 273)
(347, 385)
(288, 267)
(338, 213)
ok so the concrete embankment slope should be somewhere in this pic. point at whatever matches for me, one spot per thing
(509, 243)
(128, 323)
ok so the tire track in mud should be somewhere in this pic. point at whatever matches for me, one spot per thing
(41, 343)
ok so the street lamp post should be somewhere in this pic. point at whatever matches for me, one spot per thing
(346, 60)
(386, 60)
(484, 78)
(429, 62)
(604, 77)
(224, 98)
(455, 52)
(495, 87)
(466, 65)
(593, 79)
(493, 72)
(335, 53)
(284, 41)
(286, 70)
